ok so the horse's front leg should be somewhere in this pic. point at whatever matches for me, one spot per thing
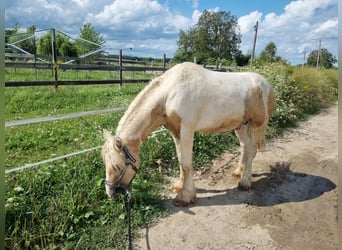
(178, 186)
(185, 187)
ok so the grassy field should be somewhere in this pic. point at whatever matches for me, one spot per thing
(63, 205)
(13, 74)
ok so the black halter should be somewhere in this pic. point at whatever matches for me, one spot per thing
(130, 162)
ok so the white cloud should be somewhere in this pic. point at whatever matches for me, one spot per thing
(81, 3)
(300, 27)
(141, 18)
(247, 22)
(195, 16)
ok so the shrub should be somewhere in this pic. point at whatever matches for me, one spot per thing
(299, 91)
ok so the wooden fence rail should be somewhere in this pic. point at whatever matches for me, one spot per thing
(93, 64)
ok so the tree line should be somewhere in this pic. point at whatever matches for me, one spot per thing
(214, 39)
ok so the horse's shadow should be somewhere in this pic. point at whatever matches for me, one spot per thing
(280, 185)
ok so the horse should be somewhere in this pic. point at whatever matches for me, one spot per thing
(185, 99)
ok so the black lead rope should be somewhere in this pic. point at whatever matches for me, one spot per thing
(128, 207)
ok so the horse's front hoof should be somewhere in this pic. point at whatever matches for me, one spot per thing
(181, 203)
(178, 203)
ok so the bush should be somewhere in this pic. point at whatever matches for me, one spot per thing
(299, 91)
(318, 88)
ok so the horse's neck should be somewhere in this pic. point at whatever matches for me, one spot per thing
(142, 117)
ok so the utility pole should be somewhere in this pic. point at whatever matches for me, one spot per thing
(318, 53)
(304, 52)
(254, 42)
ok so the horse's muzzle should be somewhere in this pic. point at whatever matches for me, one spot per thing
(113, 190)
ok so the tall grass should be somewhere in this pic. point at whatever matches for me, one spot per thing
(63, 205)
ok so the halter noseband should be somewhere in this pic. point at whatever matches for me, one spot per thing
(130, 161)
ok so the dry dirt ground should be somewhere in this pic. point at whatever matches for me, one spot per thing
(292, 205)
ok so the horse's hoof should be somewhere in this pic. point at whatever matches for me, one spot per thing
(181, 203)
(244, 187)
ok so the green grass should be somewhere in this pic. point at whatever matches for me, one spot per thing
(13, 74)
(44, 101)
(63, 205)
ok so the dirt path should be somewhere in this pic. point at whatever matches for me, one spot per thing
(293, 203)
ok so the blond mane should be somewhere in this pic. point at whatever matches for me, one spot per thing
(138, 107)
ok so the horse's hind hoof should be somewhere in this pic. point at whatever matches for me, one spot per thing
(244, 187)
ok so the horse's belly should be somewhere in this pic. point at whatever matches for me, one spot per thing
(219, 121)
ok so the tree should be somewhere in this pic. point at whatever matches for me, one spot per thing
(185, 51)
(326, 59)
(214, 36)
(11, 32)
(24, 40)
(269, 53)
(242, 60)
(88, 33)
(64, 46)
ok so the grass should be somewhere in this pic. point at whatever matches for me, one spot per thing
(63, 205)
(13, 74)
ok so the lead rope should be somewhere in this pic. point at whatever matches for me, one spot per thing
(128, 206)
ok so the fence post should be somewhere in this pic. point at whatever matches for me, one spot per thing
(54, 59)
(120, 68)
(164, 62)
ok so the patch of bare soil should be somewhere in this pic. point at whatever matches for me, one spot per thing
(292, 204)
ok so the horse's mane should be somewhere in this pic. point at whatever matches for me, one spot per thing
(140, 101)
(149, 98)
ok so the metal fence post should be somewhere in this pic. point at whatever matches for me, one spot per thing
(164, 62)
(54, 59)
(120, 68)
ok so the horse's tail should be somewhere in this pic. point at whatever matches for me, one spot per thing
(257, 133)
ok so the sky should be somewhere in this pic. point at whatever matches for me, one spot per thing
(151, 27)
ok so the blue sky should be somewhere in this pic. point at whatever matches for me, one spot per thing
(151, 27)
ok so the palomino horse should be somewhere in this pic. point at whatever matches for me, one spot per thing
(185, 99)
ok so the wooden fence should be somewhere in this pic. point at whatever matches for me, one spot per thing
(72, 63)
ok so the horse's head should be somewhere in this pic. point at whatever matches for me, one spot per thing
(119, 162)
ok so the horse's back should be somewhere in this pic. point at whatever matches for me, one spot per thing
(215, 101)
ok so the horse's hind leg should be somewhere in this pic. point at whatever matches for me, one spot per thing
(248, 147)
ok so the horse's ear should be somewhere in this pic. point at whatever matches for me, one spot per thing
(106, 134)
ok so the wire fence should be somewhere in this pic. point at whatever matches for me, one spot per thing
(59, 117)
